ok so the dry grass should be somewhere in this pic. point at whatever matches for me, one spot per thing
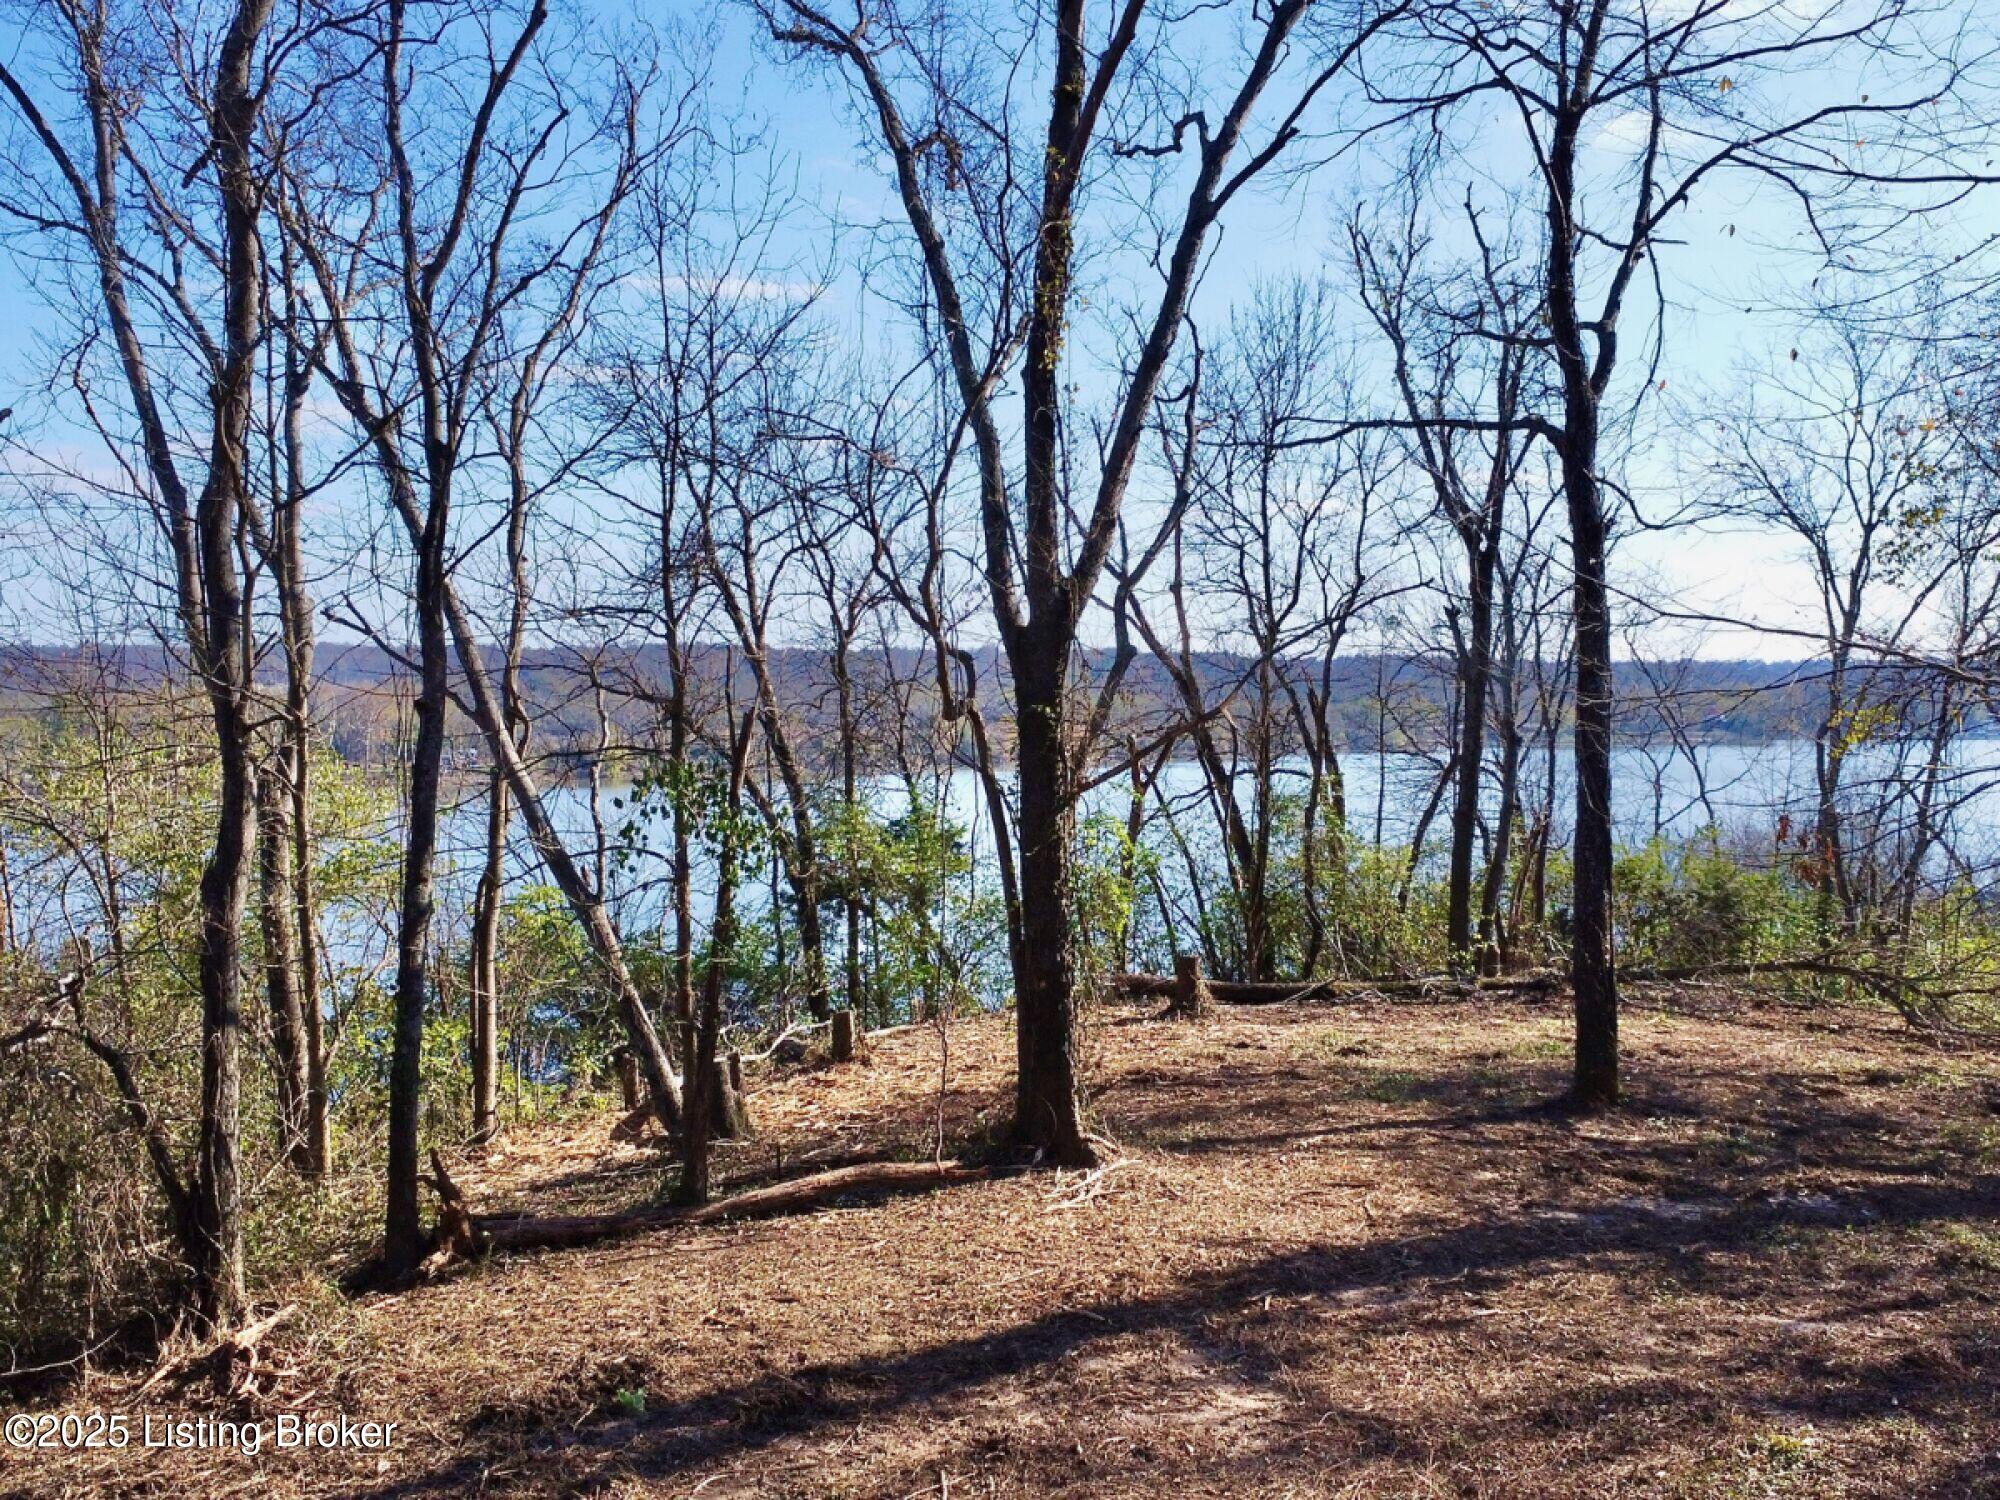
(1341, 1252)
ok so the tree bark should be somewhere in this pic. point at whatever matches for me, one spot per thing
(277, 910)
(224, 664)
(403, 1240)
(1047, 1100)
(707, 1092)
(1475, 669)
(484, 967)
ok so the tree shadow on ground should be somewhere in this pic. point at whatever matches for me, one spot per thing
(739, 1419)
(1268, 1374)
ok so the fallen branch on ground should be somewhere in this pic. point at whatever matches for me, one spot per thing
(1086, 1189)
(230, 1362)
(464, 1235)
(789, 1033)
(1911, 998)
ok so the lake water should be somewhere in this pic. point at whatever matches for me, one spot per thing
(1740, 789)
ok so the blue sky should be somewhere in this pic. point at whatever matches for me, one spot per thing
(1740, 265)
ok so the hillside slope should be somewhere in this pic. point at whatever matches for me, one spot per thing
(1340, 1252)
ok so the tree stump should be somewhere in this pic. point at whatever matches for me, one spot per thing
(735, 1071)
(1191, 997)
(731, 1120)
(628, 1078)
(843, 1036)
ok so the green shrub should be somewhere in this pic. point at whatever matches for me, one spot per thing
(1679, 904)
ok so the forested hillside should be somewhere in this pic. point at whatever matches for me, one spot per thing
(1377, 703)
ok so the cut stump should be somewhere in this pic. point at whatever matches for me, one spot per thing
(731, 1120)
(1192, 999)
(628, 1079)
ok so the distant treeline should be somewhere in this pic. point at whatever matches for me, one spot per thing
(1380, 702)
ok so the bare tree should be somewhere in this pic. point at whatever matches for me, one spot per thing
(201, 519)
(290, 908)
(708, 314)
(911, 67)
(1699, 91)
(455, 286)
(1276, 551)
(1460, 345)
(751, 543)
(1838, 453)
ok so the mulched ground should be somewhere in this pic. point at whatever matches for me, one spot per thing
(1338, 1251)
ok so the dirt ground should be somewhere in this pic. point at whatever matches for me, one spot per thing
(1337, 1251)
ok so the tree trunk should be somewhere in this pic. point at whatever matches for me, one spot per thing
(850, 794)
(403, 1236)
(804, 880)
(707, 1092)
(1475, 667)
(296, 614)
(1420, 834)
(628, 1080)
(1593, 971)
(1492, 937)
(6, 902)
(1047, 1105)
(683, 888)
(731, 1118)
(305, 924)
(1593, 965)
(800, 861)
(276, 914)
(1837, 908)
(1128, 858)
(484, 968)
(224, 889)
(225, 663)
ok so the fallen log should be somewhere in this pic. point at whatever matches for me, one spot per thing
(1909, 996)
(482, 1234)
(1333, 991)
